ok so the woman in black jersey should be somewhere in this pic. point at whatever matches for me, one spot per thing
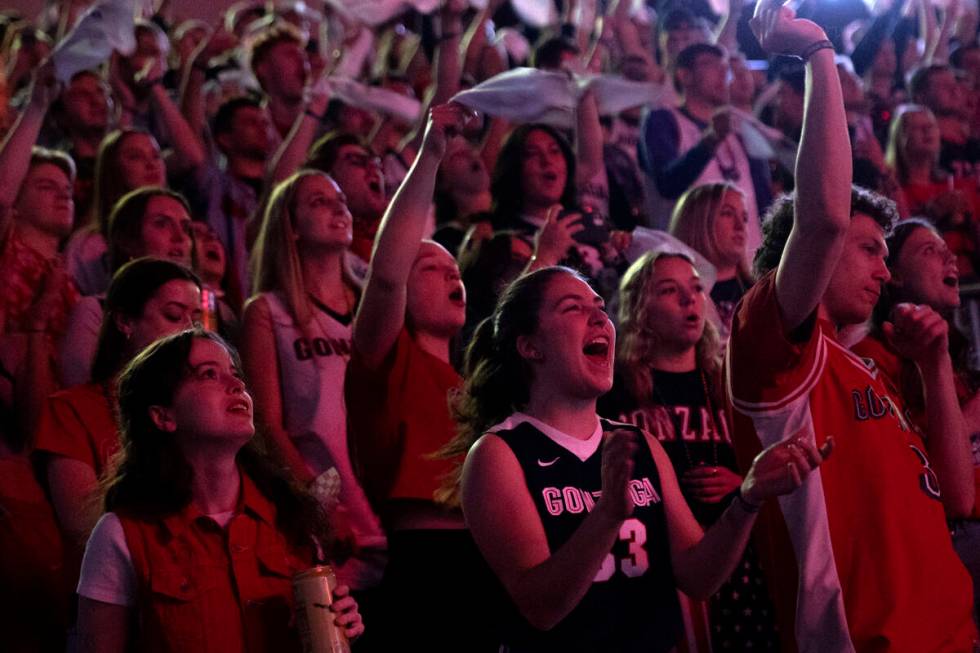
(582, 519)
(668, 382)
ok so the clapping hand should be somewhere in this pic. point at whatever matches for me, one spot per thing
(783, 467)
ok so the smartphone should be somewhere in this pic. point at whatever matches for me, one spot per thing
(596, 231)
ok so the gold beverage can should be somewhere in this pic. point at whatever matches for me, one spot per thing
(313, 593)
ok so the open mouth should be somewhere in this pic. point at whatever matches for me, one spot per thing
(549, 176)
(951, 281)
(240, 406)
(457, 297)
(212, 255)
(692, 319)
(375, 186)
(597, 349)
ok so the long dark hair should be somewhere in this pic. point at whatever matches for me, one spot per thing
(498, 378)
(108, 178)
(507, 181)
(133, 285)
(125, 229)
(151, 479)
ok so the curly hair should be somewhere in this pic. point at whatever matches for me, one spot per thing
(637, 342)
(778, 223)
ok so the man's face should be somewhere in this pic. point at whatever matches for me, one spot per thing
(707, 79)
(251, 133)
(673, 42)
(860, 274)
(358, 173)
(942, 94)
(285, 70)
(86, 104)
(45, 200)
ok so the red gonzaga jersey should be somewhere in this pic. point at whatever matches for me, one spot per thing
(859, 558)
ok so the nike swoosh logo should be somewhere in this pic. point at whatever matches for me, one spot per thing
(542, 463)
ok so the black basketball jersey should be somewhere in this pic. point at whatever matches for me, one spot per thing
(632, 604)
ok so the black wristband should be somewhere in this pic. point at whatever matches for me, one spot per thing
(813, 48)
(313, 114)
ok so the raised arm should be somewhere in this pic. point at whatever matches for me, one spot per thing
(921, 335)
(15, 153)
(822, 204)
(291, 154)
(382, 312)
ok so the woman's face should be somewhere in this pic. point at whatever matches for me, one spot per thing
(175, 306)
(166, 230)
(210, 253)
(436, 297)
(543, 170)
(921, 135)
(925, 271)
(462, 169)
(140, 162)
(729, 229)
(675, 309)
(321, 214)
(575, 341)
(211, 403)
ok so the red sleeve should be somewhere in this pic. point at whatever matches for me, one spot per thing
(768, 368)
(62, 432)
(373, 437)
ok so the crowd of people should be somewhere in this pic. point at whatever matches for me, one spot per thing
(662, 349)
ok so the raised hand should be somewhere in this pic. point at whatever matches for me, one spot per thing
(445, 121)
(44, 86)
(917, 332)
(556, 236)
(782, 467)
(779, 30)
(617, 470)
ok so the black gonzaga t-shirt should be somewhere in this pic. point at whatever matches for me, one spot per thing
(725, 295)
(679, 416)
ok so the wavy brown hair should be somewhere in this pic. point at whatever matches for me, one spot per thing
(150, 478)
(636, 341)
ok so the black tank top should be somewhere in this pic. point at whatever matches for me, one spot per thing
(632, 603)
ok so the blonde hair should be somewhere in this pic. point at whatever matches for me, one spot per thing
(693, 220)
(275, 259)
(637, 342)
(895, 155)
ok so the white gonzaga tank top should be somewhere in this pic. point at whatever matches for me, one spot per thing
(311, 376)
